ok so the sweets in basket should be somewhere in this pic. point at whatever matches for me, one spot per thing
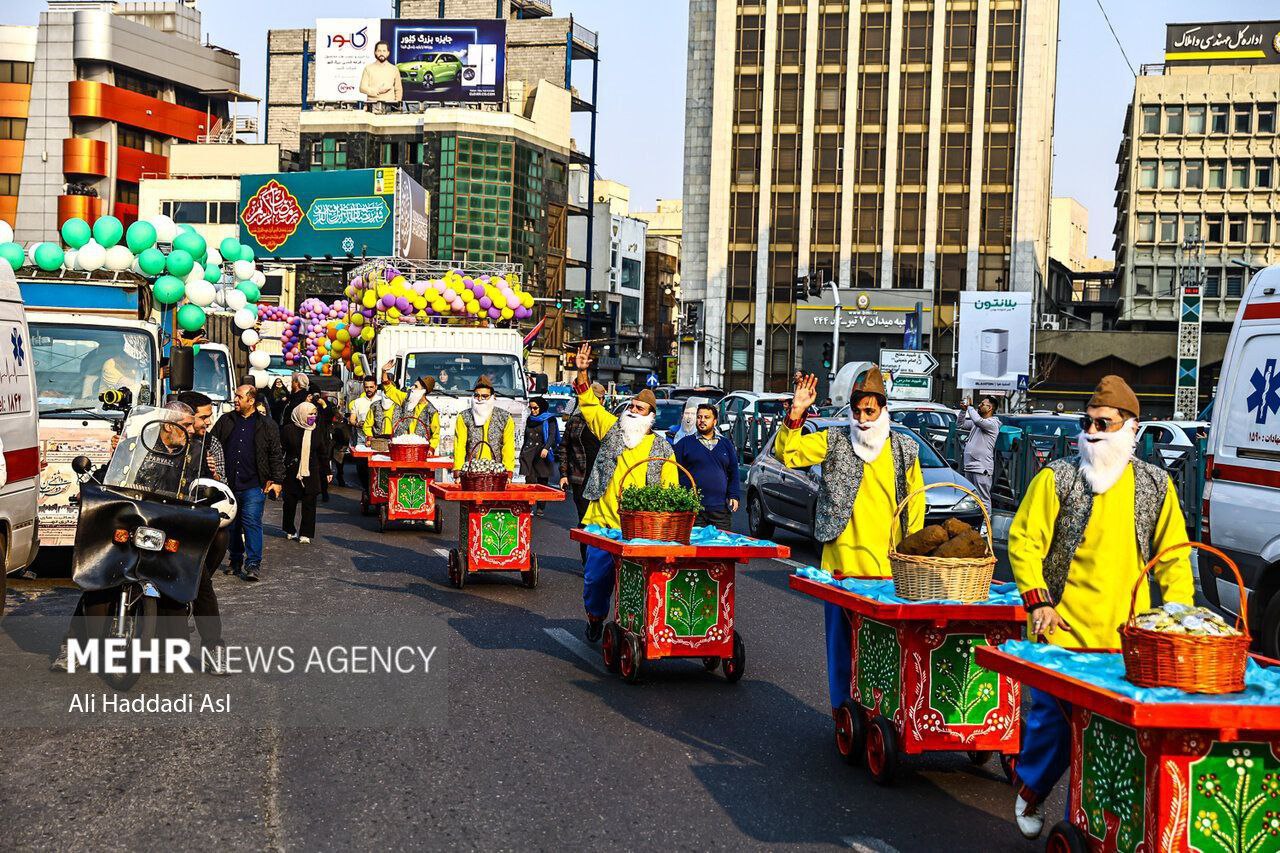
(483, 475)
(958, 564)
(1190, 648)
(408, 446)
(663, 512)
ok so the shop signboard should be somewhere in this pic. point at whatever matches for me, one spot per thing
(1224, 43)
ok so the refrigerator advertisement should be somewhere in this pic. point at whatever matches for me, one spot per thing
(440, 61)
(995, 341)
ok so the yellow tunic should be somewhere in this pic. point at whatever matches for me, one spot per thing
(862, 548)
(367, 426)
(508, 444)
(1095, 601)
(604, 511)
(399, 397)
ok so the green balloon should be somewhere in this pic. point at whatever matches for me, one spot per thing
(230, 249)
(75, 232)
(191, 317)
(140, 237)
(13, 254)
(107, 230)
(151, 261)
(191, 243)
(213, 274)
(49, 256)
(179, 263)
(196, 349)
(250, 290)
(246, 254)
(168, 289)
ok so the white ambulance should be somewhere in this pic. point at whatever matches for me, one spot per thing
(19, 435)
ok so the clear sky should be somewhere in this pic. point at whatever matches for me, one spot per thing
(642, 74)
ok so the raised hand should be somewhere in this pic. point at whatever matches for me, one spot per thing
(582, 359)
(806, 394)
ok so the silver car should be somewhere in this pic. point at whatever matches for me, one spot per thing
(778, 496)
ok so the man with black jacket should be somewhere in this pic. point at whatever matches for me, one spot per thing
(255, 468)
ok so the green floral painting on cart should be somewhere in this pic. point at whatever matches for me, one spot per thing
(1113, 781)
(693, 603)
(411, 490)
(960, 690)
(1235, 799)
(879, 665)
(499, 533)
(631, 597)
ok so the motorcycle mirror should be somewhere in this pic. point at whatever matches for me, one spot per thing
(82, 464)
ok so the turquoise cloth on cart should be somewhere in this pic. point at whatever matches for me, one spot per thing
(1262, 683)
(883, 591)
(705, 536)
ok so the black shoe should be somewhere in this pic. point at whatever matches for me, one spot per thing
(250, 573)
(323, 498)
(232, 569)
(595, 630)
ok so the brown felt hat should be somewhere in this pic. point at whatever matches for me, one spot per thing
(1115, 392)
(872, 383)
(428, 383)
(646, 396)
(483, 382)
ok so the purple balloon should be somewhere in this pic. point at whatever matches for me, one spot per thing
(402, 304)
(390, 273)
(486, 302)
(494, 313)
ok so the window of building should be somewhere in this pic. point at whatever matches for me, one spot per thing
(138, 140)
(387, 153)
(1235, 283)
(785, 216)
(910, 219)
(995, 218)
(791, 39)
(1266, 118)
(960, 36)
(1147, 174)
(955, 158)
(631, 309)
(1262, 174)
(1195, 174)
(1235, 227)
(1150, 120)
(743, 224)
(1142, 278)
(187, 212)
(1242, 115)
(1165, 277)
(1260, 229)
(874, 47)
(1239, 175)
(957, 96)
(951, 271)
(1218, 118)
(750, 39)
(191, 99)
(1168, 228)
(833, 35)
(13, 128)
(1212, 283)
(1000, 97)
(1191, 227)
(15, 72)
(787, 99)
(739, 351)
(953, 218)
(826, 160)
(746, 104)
(135, 82)
(328, 153)
(870, 158)
(871, 100)
(782, 276)
(826, 218)
(9, 184)
(830, 100)
(867, 218)
(780, 350)
(915, 46)
(126, 193)
(786, 158)
(1195, 119)
(1171, 174)
(746, 157)
(1146, 228)
(911, 158)
(1004, 35)
(1173, 120)
(915, 97)
(1213, 227)
(998, 163)
(742, 275)
(1217, 175)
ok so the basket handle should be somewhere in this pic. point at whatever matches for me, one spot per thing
(991, 548)
(646, 461)
(1241, 622)
(426, 427)
(471, 454)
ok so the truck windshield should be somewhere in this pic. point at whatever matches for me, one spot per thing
(211, 372)
(74, 364)
(456, 373)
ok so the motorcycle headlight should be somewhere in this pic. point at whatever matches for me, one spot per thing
(148, 538)
(966, 504)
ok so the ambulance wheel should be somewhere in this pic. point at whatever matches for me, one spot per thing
(457, 575)
(736, 665)
(711, 664)
(850, 732)
(629, 659)
(979, 757)
(1065, 838)
(529, 577)
(1009, 765)
(610, 646)
(882, 751)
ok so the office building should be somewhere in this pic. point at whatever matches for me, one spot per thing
(896, 145)
(1069, 233)
(663, 302)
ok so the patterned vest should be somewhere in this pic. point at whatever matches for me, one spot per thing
(492, 434)
(842, 477)
(611, 448)
(425, 410)
(1075, 504)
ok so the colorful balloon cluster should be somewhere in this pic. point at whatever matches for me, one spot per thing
(384, 296)
(321, 337)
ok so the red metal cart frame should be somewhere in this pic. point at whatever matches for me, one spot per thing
(408, 497)
(374, 492)
(915, 686)
(1161, 776)
(495, 530)
(674, 601)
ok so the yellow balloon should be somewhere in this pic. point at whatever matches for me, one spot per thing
(499, 301)
(366, 334)
(507, 313)
(393, 313)
(369, 299)
(398, 281)
(526, 299)
(344, 335)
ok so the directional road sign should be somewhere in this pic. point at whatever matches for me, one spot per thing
(915, 361)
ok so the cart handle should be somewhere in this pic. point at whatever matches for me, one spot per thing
(1241, 623)
(991, 548)
(663, 459)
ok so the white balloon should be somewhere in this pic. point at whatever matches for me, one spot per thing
(118, 258)
(197, 273)
(244, 319)
(214, 258)
(201, 292)
(92, 256)
(235, 299)
(165, 229)
(258, 278)
(69, 258)
(31, 252)
(6, 232)
(250, 337)
(243, 270)
(260, 359)
(260, 377)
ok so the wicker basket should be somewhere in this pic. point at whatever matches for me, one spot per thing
(483, 482)
(1191, 663)
(410, 452)
(662, 526)
(917, 578)
(379, 444)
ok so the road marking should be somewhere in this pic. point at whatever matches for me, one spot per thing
(868, 844)
(795, 564)
(578, 647)
(440, 552)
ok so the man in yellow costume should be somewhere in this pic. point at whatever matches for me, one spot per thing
(1086, 528)
(624, 441)
(420, 415)
(483, 424)
(370, 414)
(867, 470)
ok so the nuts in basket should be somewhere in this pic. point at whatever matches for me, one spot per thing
(1176, 618)
(483, 466)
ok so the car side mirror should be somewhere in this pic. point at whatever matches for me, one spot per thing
(724, 428)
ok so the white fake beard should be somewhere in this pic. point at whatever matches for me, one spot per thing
(415, 397)
(481, 410)
(1103, 460)
(634, 427)
(869, 438)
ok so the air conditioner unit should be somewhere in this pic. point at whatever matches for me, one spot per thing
(1050, 322)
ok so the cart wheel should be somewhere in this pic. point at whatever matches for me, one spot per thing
(629, 658)
(610, 646)
(711, 664)
(850, 732)
(736, 665)
(1009, 764)
(457, 575)
(1065, 838)
(529, 577)
(882, 751)
(436, 525)
(382, 519)
(979, 757)
(364, 504)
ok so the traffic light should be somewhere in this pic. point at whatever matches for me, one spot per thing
(559, 304)
(802, 288)
(816, 281)
(826, 355)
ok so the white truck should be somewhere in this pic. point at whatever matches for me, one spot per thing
(457, 356)
(214, 375)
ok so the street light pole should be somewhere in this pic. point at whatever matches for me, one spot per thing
(835, 330)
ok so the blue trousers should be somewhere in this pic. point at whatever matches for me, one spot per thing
(246, 530)
(597, 582)
(1046, 744)
(839, 653)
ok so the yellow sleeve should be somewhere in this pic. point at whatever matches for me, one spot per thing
(1173, 572)
(509, 445)
(394, 394)
(670, 475)
(599, 419)
(1032, 532)
(435, 430)
(797, 450)
(917, 504)
(459, 444)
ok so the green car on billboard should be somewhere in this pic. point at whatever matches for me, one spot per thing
(436, 68)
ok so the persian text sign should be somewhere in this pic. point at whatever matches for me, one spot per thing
(358, 213)
(271, 215)
(1228, 43)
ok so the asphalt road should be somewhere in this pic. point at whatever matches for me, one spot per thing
(525, 743)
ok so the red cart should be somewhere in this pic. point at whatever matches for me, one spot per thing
(374, 492)
(495, 530)
(916, 687)
(675, 601)
(405, 485)
(1201, 775)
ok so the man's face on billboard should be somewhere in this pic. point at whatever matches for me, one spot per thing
(381, 52)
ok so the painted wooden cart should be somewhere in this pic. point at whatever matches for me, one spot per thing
(675, 601)
(495, 529)
(916, 687)
(373, 493)
(407, 496)
(1161, 776)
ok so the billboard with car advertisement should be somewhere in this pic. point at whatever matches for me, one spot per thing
(439, 61)
(995, 341)
(344, 213)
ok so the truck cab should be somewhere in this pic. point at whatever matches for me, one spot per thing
(215, 376)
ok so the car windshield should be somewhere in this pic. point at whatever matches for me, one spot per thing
(456, 373)
(1051, 426)
(156, 455)
(928, 457)
(558, 405)
(211, 372)
(74, 364)
(923, 419)
(770, 408)
(668, 415)
(1191, 433)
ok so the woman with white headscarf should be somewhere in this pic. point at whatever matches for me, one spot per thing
(306, 465)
